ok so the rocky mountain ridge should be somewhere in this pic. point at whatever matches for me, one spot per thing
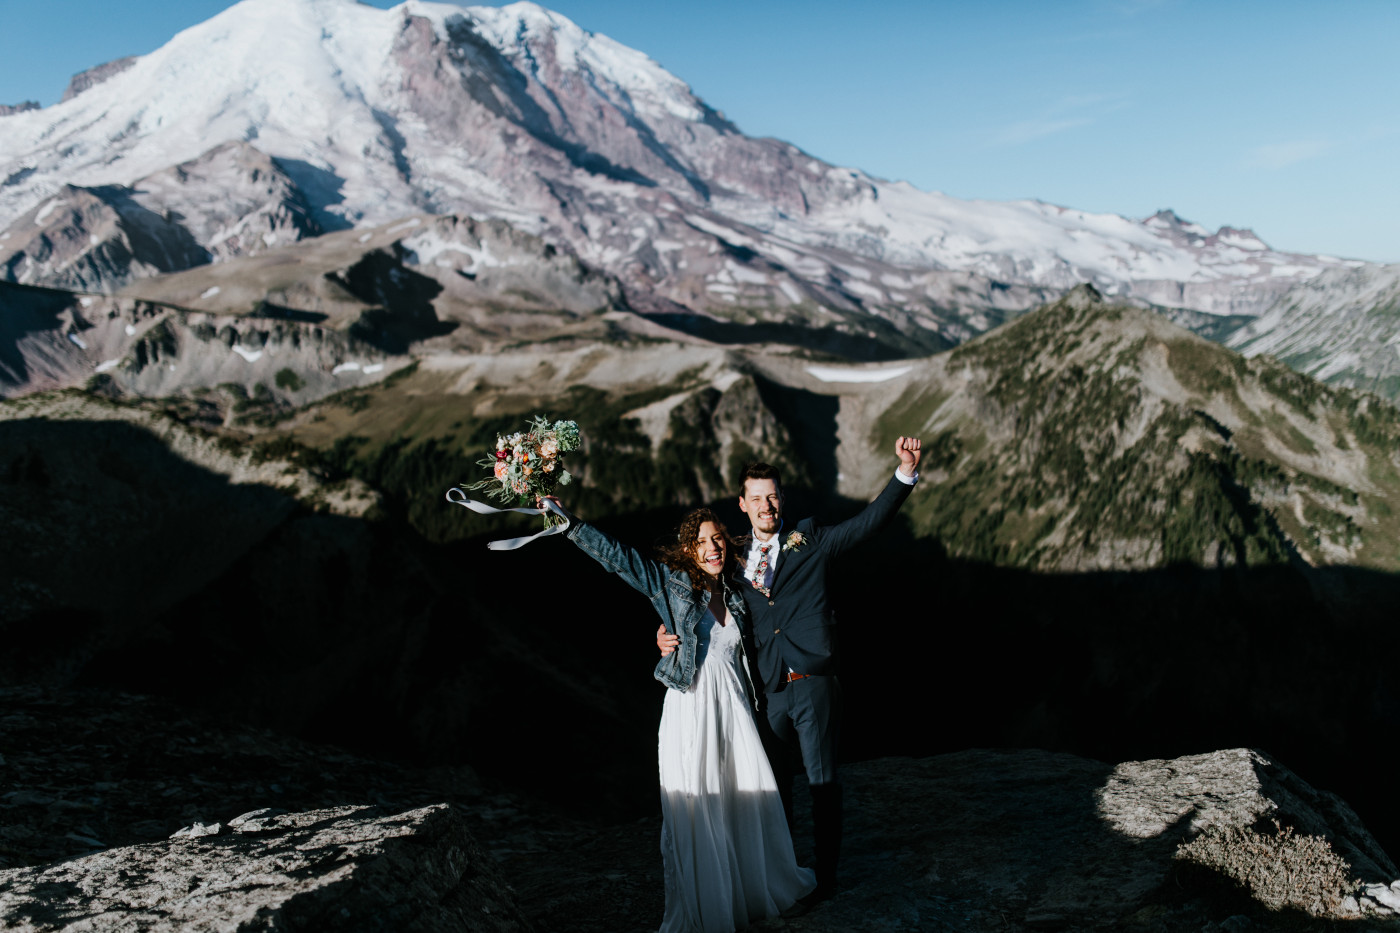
(1117, 440)
(294, 325)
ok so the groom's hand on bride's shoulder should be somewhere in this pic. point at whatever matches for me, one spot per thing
(909, 450)
(666, 641)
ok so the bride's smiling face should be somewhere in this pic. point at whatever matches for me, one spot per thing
(710, 549)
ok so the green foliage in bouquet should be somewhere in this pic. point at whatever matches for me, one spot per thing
(529, 463)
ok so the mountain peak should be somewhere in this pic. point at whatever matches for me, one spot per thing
(1168, 221)
(1083, 296)
(519, 114)
(1241, 237)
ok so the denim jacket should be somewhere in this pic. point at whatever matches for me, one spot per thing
(680, 607)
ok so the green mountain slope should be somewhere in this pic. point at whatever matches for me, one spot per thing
(1089, 436)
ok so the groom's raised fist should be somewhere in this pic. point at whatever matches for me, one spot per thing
(908, 450)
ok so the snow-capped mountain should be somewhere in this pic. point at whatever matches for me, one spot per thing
(365, 115)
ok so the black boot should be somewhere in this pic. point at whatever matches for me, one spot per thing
(826, 823)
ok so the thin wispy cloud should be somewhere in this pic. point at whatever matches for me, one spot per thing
(1027, 131)
(1282, 155)
(1067, 113)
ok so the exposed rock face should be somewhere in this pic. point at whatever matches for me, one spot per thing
(233, 200)
(339, 311)
(1238, 788)
(96, 75)
(230, 201)
(254, 362)
(23, 107)
(350, 868)
(93, 240)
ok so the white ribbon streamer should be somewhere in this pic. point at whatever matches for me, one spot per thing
(510, 544)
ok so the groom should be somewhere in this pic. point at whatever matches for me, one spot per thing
(784, 583)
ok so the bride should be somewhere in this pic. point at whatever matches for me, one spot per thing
(725, 846)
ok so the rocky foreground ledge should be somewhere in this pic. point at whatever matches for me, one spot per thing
(1018, 840)
(123, 813)
(350, 868)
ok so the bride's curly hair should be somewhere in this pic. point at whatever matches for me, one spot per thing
(680, 554)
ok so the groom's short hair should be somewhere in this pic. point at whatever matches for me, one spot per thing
(757, 470)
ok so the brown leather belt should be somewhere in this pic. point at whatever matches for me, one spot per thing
(789, 677)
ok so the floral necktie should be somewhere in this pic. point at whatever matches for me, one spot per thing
(762, 573)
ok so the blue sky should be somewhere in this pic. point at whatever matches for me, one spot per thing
(1282, 116)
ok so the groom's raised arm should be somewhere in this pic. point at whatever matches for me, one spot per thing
(873, 517)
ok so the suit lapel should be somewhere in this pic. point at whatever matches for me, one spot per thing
(786, 556)
(779, 572)
(785, 559)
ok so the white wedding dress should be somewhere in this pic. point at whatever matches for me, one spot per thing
(724, 839)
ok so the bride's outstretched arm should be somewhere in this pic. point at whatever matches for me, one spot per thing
(640, 573)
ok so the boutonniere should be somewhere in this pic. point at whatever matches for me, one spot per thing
(794, 541)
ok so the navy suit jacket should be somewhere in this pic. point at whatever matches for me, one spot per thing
(793, 626)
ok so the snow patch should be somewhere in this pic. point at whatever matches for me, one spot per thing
(86, 301)
(345, 368)
(870, 292)
(46, 210)
(209, 292)
(365, 238)
(833, 374)
(728, 234)
(251, 356)
(745, 274)
(77, 341)
(726, 379)
(130, 331)
(372, 369)
(428, 247)
(106, 365)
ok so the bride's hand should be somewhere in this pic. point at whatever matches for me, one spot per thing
(539, 504)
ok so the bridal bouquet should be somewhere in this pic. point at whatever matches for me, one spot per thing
(529, 463)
